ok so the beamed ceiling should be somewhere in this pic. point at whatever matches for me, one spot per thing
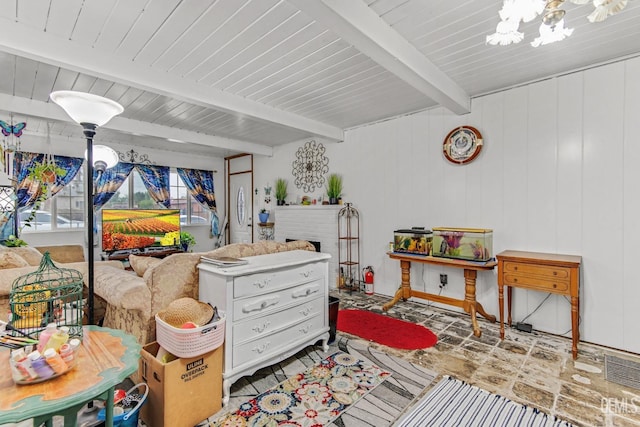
(231, 76)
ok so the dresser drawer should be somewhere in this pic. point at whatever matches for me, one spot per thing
(275, 301)
(270, 345)
(541, 283)
(270, 281)
(256, 327)
(552, 272)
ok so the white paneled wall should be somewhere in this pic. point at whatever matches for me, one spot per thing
(559, 172)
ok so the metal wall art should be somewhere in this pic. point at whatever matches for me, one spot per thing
(134, 157)
(462, 145)
(310, 166)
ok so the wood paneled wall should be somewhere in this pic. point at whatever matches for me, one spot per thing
(559, 172)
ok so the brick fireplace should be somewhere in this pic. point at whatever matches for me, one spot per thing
(317, 223)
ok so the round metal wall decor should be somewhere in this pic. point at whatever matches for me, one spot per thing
(462, 145)
(310, 166)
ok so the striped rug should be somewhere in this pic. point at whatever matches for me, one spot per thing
(455, 403)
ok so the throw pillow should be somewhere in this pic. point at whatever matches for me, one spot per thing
(29, 254)
(9, 259)
(140, 264)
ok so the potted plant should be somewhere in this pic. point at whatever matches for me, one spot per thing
(46, 172)
(263, 215)
(186, 240)
(14, 242)
(281, 191)
(334, 188)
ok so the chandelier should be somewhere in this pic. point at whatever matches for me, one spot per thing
(552, 27)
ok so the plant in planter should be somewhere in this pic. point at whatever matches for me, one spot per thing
(14, 242)
(334, 188)
(186, 240)
(46, 172)
(263, 215)
(281, 191)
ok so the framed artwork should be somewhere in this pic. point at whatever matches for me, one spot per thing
(462, 145)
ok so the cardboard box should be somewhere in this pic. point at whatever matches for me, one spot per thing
(183, 392)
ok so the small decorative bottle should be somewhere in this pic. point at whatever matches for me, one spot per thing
(57, 339)
(45, 335)
(40, 365)
(54, 360)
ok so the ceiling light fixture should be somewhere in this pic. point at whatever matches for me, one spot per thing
(553, 27)
(90, 111)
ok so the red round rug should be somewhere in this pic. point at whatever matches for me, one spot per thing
(385, 330)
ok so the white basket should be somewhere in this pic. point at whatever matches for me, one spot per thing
(190, 342)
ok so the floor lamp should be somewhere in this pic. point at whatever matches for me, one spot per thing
(90, 111)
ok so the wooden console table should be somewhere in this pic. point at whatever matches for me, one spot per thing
(555, 273)
(105, 358)
(469, 304)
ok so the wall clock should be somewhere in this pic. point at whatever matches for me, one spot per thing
(462, 145)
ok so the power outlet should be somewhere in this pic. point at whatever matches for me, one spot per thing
(443, 280)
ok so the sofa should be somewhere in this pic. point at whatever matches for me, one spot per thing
(19, 261)
(134, 297)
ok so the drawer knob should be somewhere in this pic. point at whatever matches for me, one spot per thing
(515, 268)
(515, 280)
(305, 311)
(305, 329)
(262, 348)
(555, 273)
(306, 273)
(555, 285)
(260, 328)
(261, 284)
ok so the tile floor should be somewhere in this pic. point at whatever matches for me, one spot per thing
(535, 369)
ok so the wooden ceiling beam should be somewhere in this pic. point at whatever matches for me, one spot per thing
(19, 39)
(51, 111)
(359, 25)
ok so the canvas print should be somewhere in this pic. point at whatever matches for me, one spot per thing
(139, 228)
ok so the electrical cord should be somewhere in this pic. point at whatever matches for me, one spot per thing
(424, 285)
(579, 319)
(536, 309)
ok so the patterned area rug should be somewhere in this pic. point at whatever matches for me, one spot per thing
(312, 398)
(380, 407)
(455, 403)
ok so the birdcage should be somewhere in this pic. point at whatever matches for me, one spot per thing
(48, 295)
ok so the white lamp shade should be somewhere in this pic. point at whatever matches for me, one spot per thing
(105, 155)
(85, 107)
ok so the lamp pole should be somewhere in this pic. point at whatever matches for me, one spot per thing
(90, 111)
(89, 130)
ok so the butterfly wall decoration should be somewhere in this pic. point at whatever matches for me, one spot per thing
(8, 129)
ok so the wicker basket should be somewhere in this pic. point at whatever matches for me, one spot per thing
(190, 342)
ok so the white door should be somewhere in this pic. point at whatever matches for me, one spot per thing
(241, 208)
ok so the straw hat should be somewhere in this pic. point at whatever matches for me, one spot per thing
(185, 310)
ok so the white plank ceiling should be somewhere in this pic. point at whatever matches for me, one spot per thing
(230, 76)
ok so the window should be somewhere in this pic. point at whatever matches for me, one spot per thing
(191, 212)
(67, 207)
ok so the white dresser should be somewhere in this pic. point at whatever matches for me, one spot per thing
(276, 305)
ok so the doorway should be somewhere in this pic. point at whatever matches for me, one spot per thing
(240, 198)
